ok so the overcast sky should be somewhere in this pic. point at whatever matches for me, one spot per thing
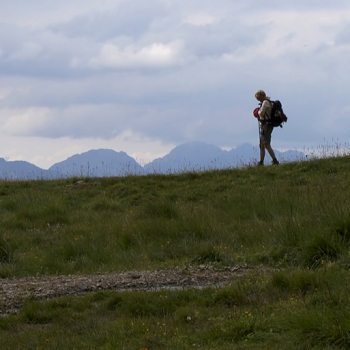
(145, 76)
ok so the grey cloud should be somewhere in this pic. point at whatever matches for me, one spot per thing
(65, 50)
(37, 53)
(11, 43)
(123, 21)
(192, 103)
(343, 37)
(208, 98)
(35, 13)
(224, 37)
(297, 5)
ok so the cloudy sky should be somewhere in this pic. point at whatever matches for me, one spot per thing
(145, 76)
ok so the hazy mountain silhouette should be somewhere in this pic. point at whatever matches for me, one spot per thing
(247, 154)
(97, 163)
(20, 170)
(187, 157)
(191, 156)
(197, 156)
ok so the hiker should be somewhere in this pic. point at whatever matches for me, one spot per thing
(265, 130)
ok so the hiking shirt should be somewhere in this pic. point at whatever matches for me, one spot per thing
(265, 111)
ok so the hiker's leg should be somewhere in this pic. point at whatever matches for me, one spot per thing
(270, 150)
(267, 144)
(262, 153)
(272, 154)
(262, 143)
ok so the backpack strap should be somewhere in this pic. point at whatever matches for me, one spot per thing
(266, 121)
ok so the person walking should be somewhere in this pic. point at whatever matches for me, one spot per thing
(265, 129)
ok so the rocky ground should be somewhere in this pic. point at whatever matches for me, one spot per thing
(14, 292)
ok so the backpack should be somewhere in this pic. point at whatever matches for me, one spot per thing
(277, 115)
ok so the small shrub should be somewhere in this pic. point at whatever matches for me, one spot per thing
(7, 270)
(10, 205)
(34, 312)
(208, 255)
(6, 251)
(160, 209)
(70, 251)
(322, 330)
(127, 241)
(105, 204)
(342, 229)
(294, 281)
(277, 255)
(114, 302)
(142, 304)
(228, 297)
(36, 215)
(281, 281)
(239, 331)
(320, 249)
(99, 296)
(185, 315)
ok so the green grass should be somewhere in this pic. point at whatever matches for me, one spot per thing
(294, 220)
(293, 309)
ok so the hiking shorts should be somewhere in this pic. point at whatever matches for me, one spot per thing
(265, 134)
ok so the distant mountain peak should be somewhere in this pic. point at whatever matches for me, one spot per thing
(190, 156)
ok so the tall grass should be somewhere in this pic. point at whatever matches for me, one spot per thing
(293, 309)
(290, 224)
(294, 214)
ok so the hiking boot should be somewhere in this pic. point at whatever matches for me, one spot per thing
(261, 162)
(275, 162)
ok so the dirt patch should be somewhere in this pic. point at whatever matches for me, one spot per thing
(14, 292)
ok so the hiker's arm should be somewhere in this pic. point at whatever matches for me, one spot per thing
(262, 110)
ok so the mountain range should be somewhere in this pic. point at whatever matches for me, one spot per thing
(192, 156)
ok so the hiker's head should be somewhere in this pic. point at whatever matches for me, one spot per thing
(260, 95)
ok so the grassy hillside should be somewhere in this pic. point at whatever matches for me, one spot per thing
(293, 219)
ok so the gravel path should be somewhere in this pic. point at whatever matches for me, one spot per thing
(14, 291)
